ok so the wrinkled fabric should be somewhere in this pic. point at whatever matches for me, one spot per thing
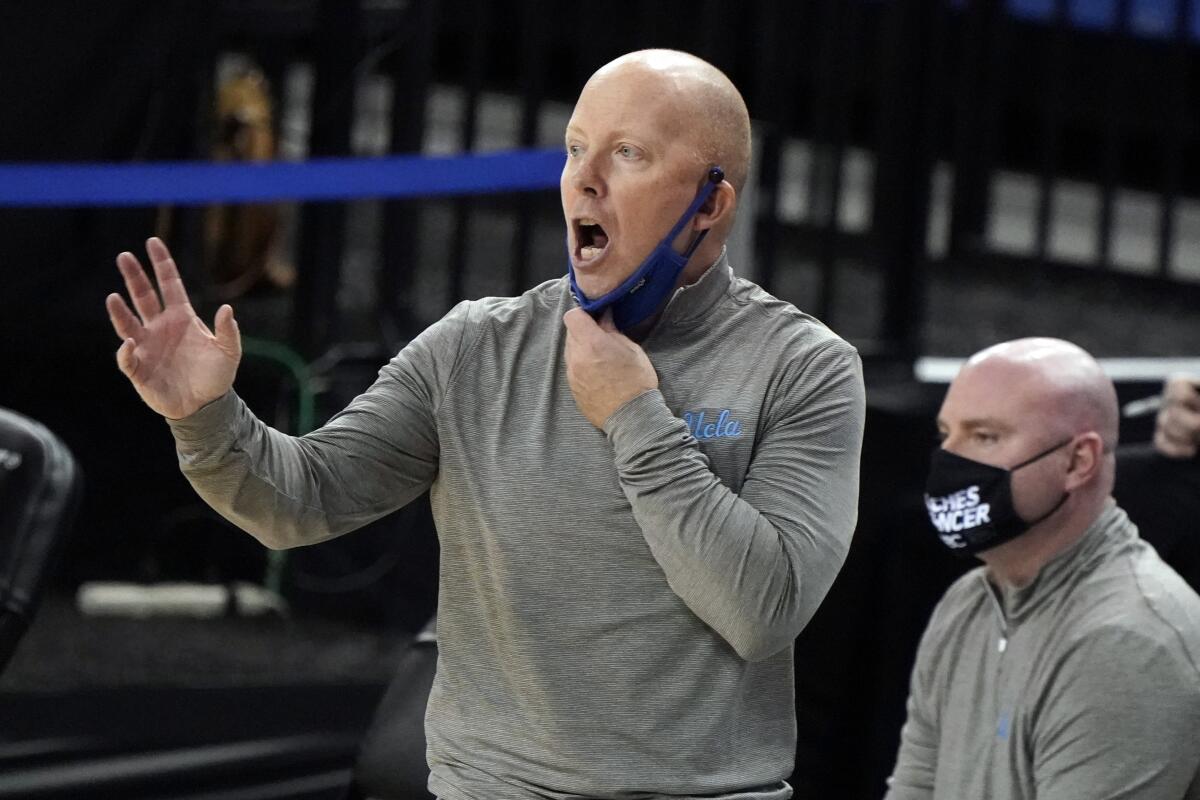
(616, 607)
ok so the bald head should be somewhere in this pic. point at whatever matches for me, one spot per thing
(709, 110)
(1056, 382)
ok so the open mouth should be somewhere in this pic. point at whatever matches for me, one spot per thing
(590, 239)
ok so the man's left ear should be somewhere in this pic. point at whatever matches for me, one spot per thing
(717, 209)
(1087, 456)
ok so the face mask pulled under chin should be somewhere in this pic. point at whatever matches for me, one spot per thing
(642, 294)
(970, 503)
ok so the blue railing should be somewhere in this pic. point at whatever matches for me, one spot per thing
(1147, 18)
(194, 183)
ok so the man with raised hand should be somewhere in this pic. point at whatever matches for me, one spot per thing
(1068, 665)
(644, 474)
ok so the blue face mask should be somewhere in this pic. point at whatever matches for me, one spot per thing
(644, 292)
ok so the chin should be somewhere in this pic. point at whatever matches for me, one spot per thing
(594, 288)
(597, 282)
(590, 286)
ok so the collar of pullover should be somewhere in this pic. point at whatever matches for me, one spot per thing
(696, 299)
(1110, 529)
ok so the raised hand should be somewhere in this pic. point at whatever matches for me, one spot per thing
(174, 361)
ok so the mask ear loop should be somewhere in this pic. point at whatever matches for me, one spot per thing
(1029, 461)
(1053, 508)
(1042, 454)
(715, 176)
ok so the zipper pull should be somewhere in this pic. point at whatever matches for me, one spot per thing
(1002, 644)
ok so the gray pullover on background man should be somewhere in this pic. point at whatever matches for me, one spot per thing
(1083, 685)
(617, 607)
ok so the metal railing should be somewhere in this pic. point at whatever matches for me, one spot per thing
(1047, 101)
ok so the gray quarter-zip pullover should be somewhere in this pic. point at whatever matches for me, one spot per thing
(1083, 685)
(616, 607)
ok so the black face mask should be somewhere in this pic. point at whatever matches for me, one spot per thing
(970, 503)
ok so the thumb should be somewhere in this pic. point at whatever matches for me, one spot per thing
(226, 329)
(126, 360)
(606, 321)
(579, 322)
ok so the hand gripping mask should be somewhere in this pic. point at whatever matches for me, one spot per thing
(644, 292)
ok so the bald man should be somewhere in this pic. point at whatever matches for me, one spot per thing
(644, 474)
(1068, 665)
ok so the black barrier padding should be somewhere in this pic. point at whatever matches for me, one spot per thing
(1162, 496)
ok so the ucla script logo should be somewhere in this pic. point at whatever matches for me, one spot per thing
(707, 425)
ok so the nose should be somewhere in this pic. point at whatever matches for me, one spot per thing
(585, 175)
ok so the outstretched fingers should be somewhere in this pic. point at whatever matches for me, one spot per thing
(123, 320)
(141, 292)
(169, 282)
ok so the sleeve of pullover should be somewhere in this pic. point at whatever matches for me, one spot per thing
(916, 764)
(1121, 720)
(375, 456)
(753, 567)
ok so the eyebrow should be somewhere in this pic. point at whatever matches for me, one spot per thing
(979, 422)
